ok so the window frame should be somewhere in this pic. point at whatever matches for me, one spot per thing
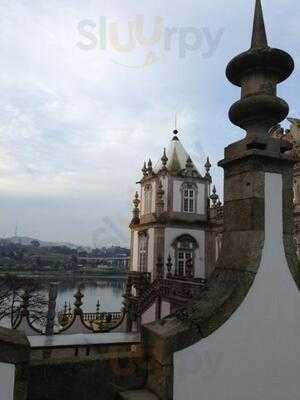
(184, 245)
(143, 251)
(189, 196)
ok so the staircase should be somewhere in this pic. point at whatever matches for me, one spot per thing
(137, 395)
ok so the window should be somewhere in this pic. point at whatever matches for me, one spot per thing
(185, 247)
(143, 251)
(189, 200)
(148, 199)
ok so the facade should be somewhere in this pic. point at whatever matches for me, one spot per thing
(173, 225)
(292, 137)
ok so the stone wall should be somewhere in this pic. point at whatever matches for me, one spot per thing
(14, 358)
(86, 378)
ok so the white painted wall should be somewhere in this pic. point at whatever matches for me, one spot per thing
(7, 381)
(172, 233)
(177, 197)
(149, 315)
(153, 199)
(165, 309)
(153, 196)
(201, 200)
(255, 355)
(135, 251)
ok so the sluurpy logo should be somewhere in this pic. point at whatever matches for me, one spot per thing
(108, 36)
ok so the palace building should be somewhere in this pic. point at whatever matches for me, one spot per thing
(173, 226)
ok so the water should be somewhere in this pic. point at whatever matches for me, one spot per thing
(108, 291)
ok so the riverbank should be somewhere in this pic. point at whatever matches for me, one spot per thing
(66, 276)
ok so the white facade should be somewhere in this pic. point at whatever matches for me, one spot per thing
(170, 220)
(200, 201)
(255, 355)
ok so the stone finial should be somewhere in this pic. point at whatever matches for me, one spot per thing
(207, 167)
(136, 211)
(169, 267)
(214, 197)
(159, 267)
(259, 36)
(258, 71)
(150, 169)
(160, 198)
(189, 167)
(136, 200)
(144, 169)
(164, 160)
(175, 137)
(78, 301)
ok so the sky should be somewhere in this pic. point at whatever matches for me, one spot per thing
(89, 90)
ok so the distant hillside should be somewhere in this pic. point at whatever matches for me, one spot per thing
(98, 252)
(26, 241)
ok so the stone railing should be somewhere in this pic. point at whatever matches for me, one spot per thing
(78, 345)
(141, 293)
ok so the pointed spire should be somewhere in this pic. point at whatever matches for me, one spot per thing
(214, 197)
(136, 200)
(144, 170)
(259, 36)
(207, 169)
(150, 169)
(207, 165)
(136, 211)
(169, 267)
(164, 159)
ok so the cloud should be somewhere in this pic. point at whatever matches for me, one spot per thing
(76, 126)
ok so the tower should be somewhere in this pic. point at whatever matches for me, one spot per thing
(171, 217)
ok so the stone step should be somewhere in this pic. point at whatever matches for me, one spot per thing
(137, 395)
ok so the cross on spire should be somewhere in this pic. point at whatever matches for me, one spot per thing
(175, 130)
(259, 36)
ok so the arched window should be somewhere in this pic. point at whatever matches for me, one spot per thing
(189, 198)
(185, 247)
(147, 199)
(143, 251)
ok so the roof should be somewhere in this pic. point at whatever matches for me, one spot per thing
(177, 158)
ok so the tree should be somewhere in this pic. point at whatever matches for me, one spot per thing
(13, 290)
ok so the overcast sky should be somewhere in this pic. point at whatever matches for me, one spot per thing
(89, 90)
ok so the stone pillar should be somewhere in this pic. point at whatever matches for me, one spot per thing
(159, 250)
(14, 361)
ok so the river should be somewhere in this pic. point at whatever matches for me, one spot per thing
(108, 291)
